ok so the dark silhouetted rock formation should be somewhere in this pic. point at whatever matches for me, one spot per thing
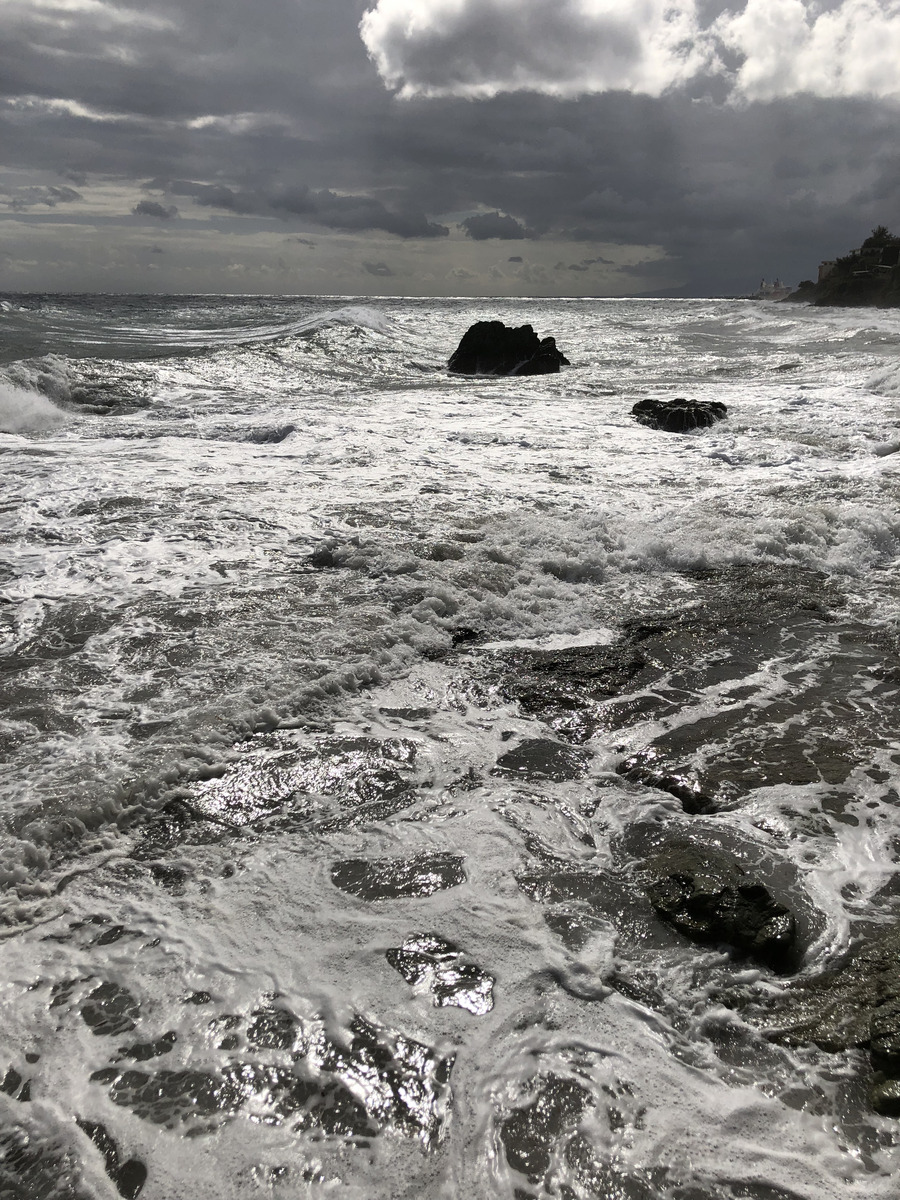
(678, 416)
(492, 348)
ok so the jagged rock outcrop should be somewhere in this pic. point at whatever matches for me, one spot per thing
(492, 348)
(680, 415)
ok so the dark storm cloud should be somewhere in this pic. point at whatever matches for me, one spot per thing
(325, 207)
(21, 199)
(493, 225)
(274, 112)
(150, 208)
(379, 268)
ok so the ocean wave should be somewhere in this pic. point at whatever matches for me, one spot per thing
(23, 410)
(886, 382)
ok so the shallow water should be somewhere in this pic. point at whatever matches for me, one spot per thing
(345, 702)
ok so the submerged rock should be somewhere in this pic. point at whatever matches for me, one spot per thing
(530, 1134)
(680, 415)
(492, 348)
(710, 898)
(398, 878)
(855, 1004)
(542, 758)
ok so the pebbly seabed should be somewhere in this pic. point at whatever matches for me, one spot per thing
(424, 785)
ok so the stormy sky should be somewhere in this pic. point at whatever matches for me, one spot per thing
(442, 147)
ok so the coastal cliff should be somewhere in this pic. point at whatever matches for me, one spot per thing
(867, 276)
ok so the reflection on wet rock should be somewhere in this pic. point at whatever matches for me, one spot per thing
(431, 964)
(272, 1028)
(643, 768)
(368, 777)
(398, 878)
(351, 1087)
(540, 758)
(709, 898)
(531, 1134)
(336, 783)
(403, 1083)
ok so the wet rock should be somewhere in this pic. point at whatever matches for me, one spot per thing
(110, 1009)
(273, 1028)
(354, 1087)
(398, 878)
(130, 1176)
(431, 964)
(607, 1179)
(406, 1083)
(684, 786)
(565, 688)
(711, 899)
(680, 415)
(38, 1166)
(16, 1085)
(531, 1133)
(540, 758)
(277, 780)
(142, 1051)
(492, 348)
(854, 1004)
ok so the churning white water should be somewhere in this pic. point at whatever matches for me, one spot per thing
(308, 888)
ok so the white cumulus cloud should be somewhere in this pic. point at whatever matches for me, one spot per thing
(477, 48)
(792, 46)
(764, 49)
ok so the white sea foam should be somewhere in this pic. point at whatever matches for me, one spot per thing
(298, 538)
(26, 411)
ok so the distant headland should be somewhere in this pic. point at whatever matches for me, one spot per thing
(867, 276)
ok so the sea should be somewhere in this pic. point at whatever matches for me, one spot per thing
(345, 701)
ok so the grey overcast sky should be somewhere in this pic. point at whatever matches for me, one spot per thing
(442, 147)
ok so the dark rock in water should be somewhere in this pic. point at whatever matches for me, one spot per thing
(855, 1004)
(407, 1087)
(541, 758)
(142, 1051)
(641, 768)
(110, 1009)
(129, 1177)
(709, 898)
(34, 1166)
(398, 878)
(530, 1134)
(679, 416)
(563, 688)
(492, 348)
(428, 962)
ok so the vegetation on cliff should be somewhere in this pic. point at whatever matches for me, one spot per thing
(867, 276)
